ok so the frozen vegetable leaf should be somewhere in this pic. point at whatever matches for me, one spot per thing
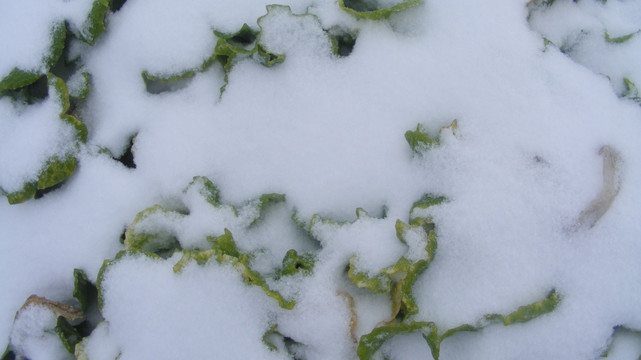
(631, 90)
(405, 272)
(229, 46)
(343, 41)
(263, 202)
(379, 283)
(79, 352)
(227, 247)
(94, 25)
(18, 78)
(56, 170)
(68, 334)
(156, 84)
(276, 341)
(101, 275)
(529, 312)
(294, 263)
(619, 39)
(28, 192)
(207, 189)
(242, 42)
(151, 232)
(370, 343)
(269, 58)
(461, 328)
(419, 139)
(59, 309)
(269, 336)
(58, 87)
(426, 201)
(244, 37)
(82, 87)
(370, 10)
(58, 37)
(81, 128)
(83, 290)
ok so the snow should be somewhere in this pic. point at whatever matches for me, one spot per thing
(328, 133)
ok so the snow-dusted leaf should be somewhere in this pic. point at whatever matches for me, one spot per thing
(17, 79)
(158, 83)
(378, 283)
(264, 202)
(152, 232)
(67, 334)
(27, 192)
(420, 141)
(81, 128)
(528, 312)
(206, 189)
(631, 90)
(83, 290)
(80, 88)
(58, 37)
(370, 343)
(294, 263)
(57, 170)
(225, 251)
(94, 25)
(371, 10)
(619, 39)
(343, 41)
(426, 201)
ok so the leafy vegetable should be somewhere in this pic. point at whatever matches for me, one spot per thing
(226, 252)
(83, 290)
(420, 141)
(294, 263)
(94, 25)
(59, 35)
(159, 239)
(379, 283)
(631, 90)
(529, 312)
(370, 343)
(56, 170)
(362, 10)
(18, 78)
(157, 84)
(426, 201)
(343, 41)
(619, 39)
(68, 334)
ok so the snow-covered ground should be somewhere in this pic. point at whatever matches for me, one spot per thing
(290, 138)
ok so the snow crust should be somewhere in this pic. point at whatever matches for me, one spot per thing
(328, 133)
